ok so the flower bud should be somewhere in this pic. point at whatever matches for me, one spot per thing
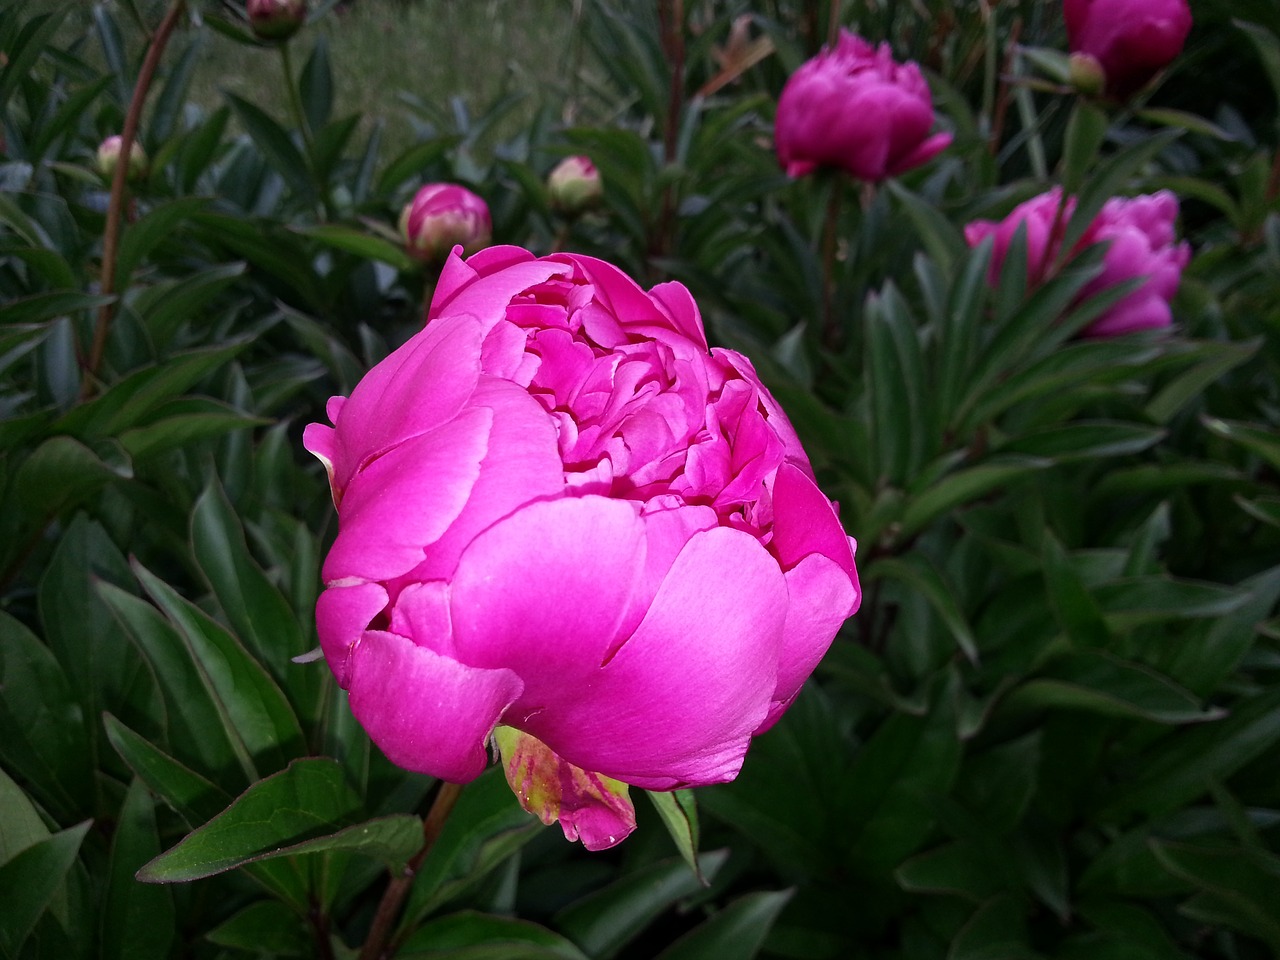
(574, 185)
(109, 156)
(853, 107)
(1085, 74)
(442, 215)
(276, 19)
(1131, 40)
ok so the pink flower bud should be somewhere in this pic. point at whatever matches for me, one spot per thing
(855, 108)
(1132, 40)
(1141, 242)
(276, 19)
(574, 184)
(442, 215)
(109, 156)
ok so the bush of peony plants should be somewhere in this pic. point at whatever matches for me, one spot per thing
(822, 456)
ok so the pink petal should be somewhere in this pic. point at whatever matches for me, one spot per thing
(804, 522)
(820, 597)
(343, 614)
(542, 592)
(426, 712)
(417, 388)
(678, 702)
(406, 499)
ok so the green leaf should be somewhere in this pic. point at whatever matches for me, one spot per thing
(303, 802)
(1213, 359)
(362, 244)
(256, 610)
(29, 881)
(604, 922)
(679, 812)
(42, 727)
(1075, 609)
(895, 376)
(182, 422)
(1259, 440)
(190, 795)
(26, 48)
(963, 868)
(61, 473)
(157, 227)
(469, 934)
(253, 709)
(275, 143)
(138, 922)
(315, 85)
(485, 828)
(737, 932)
(267, 926)
(1085, 440)
(55, 303)
(965, 486)
(1239, 887)
(1085, 133)
(164, 307)
(918, 573)
(130, 401)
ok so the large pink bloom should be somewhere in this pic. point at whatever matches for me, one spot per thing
(1142, 243)
(560, 512)
(1132, 40)
(856, 109)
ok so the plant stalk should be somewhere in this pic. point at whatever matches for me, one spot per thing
(377, 945)
(830, 231)
(115, 207)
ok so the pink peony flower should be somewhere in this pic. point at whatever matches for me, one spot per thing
(441, 216)
(560, 512)
(574, 184)
(276, 19)
(1142, 243)
(855, 108)
(1131, 40)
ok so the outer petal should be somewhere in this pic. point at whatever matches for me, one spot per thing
(417, 388)
(343, 614)
(543, 591)
(804, 522)
(427, 712)
(678, 702)
(820, 597)
(405, 500)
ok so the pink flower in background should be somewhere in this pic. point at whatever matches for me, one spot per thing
(574, 184)
(560, 512)
(276, 19)
(1131, 40)
(441, 216)
(1142, 242)
(855, 108)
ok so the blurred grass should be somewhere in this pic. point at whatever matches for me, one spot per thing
(431, 50)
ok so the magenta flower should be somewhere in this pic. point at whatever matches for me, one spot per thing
(559, 512)
(856, 109)
(275, 19)
(442, 216)
(1142, 242)
(1131, 40)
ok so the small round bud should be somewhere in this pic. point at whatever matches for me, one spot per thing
(109, 156)
(574, 185)
(276, 19)
(1085, 74)
(442, 215)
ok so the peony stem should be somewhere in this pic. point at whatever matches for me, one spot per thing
(376, 946)
(830, 229)
(115, 207)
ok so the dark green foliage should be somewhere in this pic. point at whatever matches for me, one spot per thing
(1051, 730)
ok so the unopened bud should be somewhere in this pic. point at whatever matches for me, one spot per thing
(109, 156)
(276, 19)
(1085, 74)
(574, 185)
(441, 216)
